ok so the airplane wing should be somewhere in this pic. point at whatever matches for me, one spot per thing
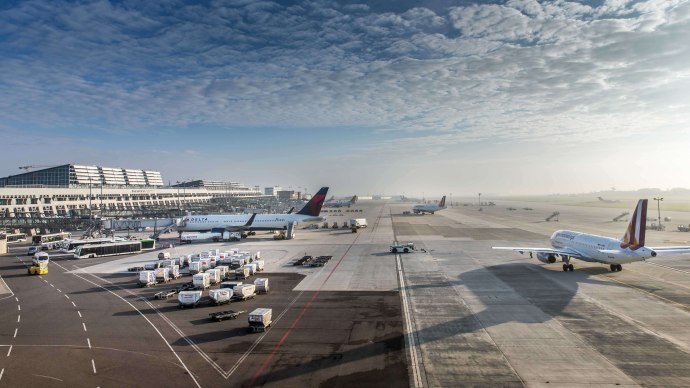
(561, 252)
(242, 227)
(670, 250)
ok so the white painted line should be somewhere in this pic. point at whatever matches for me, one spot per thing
(19, 307)
(66, 296)
(74, 304)
(2, 372)
(9, 351)
(79, 312)
(88, 341)
(15, 332)
(59, 290)
(409, 330)
(51, 284)
(19, 318)
(93, 364)
(84, 325)
(17, 299)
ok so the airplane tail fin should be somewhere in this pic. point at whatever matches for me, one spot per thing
(635, 233)
(291, 209)
(313, 207)
(353, 200)
(443, 202)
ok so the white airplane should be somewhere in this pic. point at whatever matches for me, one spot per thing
(430, 207)
(568, 245)
(240, 222)
(340, 203)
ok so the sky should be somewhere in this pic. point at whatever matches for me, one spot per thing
(380, 97)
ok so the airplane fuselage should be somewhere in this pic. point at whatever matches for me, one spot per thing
(600, 249)
(205, 223)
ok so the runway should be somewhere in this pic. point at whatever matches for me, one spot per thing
(454, 313)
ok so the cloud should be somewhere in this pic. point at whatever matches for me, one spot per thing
(512, 71)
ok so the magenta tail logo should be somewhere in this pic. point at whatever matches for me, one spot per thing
(635, 233)
(313, 207)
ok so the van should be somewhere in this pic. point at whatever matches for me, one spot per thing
(34, 250)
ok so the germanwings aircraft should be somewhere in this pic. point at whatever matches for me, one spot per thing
(340, 203)
(236, 222)
(430, 207)
(567, 245)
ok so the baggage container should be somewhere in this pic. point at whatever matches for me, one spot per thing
(195, 267)
(162, 275)
(163, 255)
(220, 296)
(257, 255)
(242, 273)
(205, 264)
(260, 319)
(224, 270)
(147, 278)
(230, 284)
(236, 262)
(260, 264)
(213, 276)
(261, 285)
(213, 252)
(227, 260)
(244, 291)
(203, 255)
(189, 298)
(201, 281)
(175, 271)
(252, 268)
(153, 266)
(212, 261)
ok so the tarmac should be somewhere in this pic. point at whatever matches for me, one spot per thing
(453, 313)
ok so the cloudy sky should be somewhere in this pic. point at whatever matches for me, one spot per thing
(518, 96)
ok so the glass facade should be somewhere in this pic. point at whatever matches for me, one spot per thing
(70, 175)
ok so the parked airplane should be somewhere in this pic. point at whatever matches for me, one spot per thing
(340, 203)
(608, 200)
(430, 207)
(236, 222)
(567, 245)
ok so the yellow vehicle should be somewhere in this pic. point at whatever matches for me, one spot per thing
(38, 269)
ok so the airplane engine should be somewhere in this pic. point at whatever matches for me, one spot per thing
(548, 258)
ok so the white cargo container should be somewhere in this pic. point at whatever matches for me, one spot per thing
(189, 298)
(224, 270)
(163, 255)
(201, 281)
(153, 266)
(194, 267)
(260, 264)
(212, 261)
(358, 223)
(213, 252)
(162, 275)
(244, 291)
(230, 284)
(227, 260)
(257, 256)
(147, 278)
(261, 285)
(175, 271)
(213, 276)
(205, 264)
(260, 319)
(242, 273)
(220, 296)
(252, 268)
(236, 262)
(167, 263)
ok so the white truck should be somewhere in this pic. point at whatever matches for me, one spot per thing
(162, 274)
(147, 279)
(201, 281)
(260, 319)
(358, 223)
(402, 248)
(261, 285)
(189, 298)
(220, 296)
(244, 291)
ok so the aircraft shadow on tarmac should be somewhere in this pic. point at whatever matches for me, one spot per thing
(528, 281)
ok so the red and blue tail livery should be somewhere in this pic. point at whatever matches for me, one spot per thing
(313, 207)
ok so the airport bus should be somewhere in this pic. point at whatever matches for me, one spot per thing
(15, 237)
(72, 245)
(109, 249)
(45, 238)
(148, 244)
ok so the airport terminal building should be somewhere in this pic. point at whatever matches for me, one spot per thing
(71, 190)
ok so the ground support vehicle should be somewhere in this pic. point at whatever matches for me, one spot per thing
(223, 315)
(402, 248)
(165, 294)
(38, 269)
(260, 319)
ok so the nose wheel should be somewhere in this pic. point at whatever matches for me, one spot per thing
(568, 267)
(616, 267)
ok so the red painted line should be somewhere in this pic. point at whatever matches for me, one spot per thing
(302, 312)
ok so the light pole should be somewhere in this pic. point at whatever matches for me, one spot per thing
(480, 199)
(658, 208)
(451, 199)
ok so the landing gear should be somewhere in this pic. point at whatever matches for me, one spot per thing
(568, 267)
(616, 267)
